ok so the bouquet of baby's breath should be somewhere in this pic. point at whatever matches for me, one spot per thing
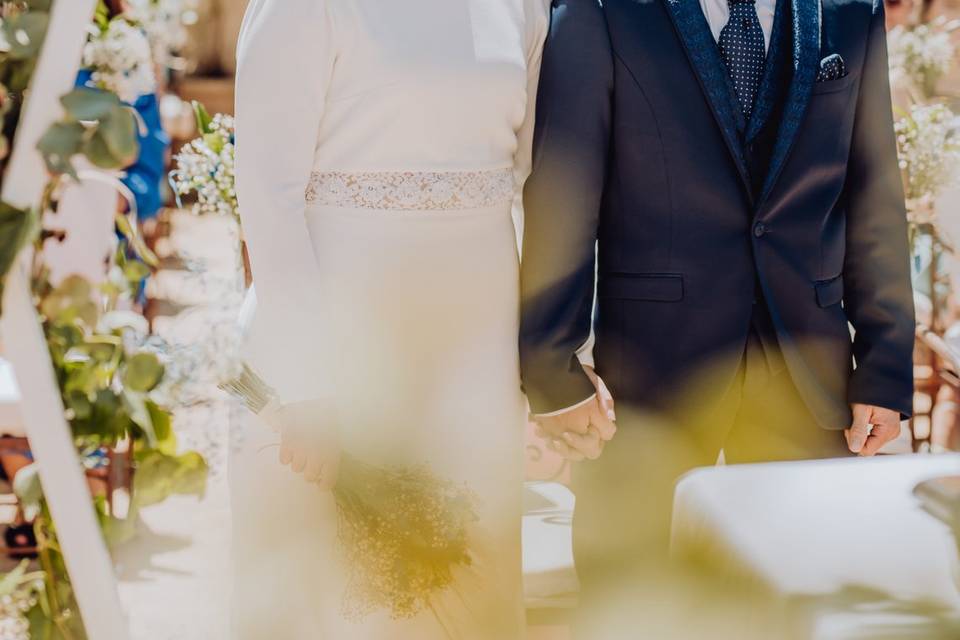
(205, 166)
(404, 530)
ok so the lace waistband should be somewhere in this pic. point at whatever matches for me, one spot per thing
(413, 190)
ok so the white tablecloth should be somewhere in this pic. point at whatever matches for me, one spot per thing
(842, 541)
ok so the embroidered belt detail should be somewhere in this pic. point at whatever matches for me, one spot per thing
(412, 191)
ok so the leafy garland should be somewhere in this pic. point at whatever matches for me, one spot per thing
(22, 28)
(106, 379)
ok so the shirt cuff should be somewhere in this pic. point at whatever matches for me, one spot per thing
(567, 409)
(585, 352)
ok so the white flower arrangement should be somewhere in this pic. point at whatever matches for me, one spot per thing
(165, 23)
(119, 55)
(919, 56)
(928, 141)
(205, 166)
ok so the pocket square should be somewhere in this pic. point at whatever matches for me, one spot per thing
(832, 68)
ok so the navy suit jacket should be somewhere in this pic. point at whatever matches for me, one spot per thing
(641, 176)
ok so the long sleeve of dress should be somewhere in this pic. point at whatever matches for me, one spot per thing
(537, 19)
(285, 61)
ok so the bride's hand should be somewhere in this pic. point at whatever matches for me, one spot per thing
(582, 432)
(308, 442)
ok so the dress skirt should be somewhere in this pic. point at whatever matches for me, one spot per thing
(419, 349)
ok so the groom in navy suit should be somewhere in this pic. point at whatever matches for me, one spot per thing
(725, 171)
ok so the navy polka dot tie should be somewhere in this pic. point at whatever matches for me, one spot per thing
(742, 47)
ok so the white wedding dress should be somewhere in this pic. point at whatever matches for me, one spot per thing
(381, 147)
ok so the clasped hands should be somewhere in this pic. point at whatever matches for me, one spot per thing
(582, 432)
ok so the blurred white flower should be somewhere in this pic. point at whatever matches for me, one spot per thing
(193, 370)
(928, 142)
(121, 60)
(165, 23)
(920, 55)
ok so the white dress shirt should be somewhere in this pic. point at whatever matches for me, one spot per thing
(717, 13)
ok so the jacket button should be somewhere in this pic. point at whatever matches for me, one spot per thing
(760, 230)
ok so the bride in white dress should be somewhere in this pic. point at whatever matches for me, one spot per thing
(381, 148)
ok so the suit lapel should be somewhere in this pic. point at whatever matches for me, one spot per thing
(806, 52)
(770, 83)
(704, 56)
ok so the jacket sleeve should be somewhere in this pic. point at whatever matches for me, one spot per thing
(278, 114)
(878, 293)
(562, 204)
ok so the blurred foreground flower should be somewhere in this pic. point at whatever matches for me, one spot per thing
(404, 530)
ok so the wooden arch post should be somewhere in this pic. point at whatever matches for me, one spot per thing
(64, 484)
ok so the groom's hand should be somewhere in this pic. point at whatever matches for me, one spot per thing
(570, 433)
(582, 432)
(872, 428)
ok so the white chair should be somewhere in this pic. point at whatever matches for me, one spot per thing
(87, 216)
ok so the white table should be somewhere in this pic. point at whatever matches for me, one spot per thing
(842, 543)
